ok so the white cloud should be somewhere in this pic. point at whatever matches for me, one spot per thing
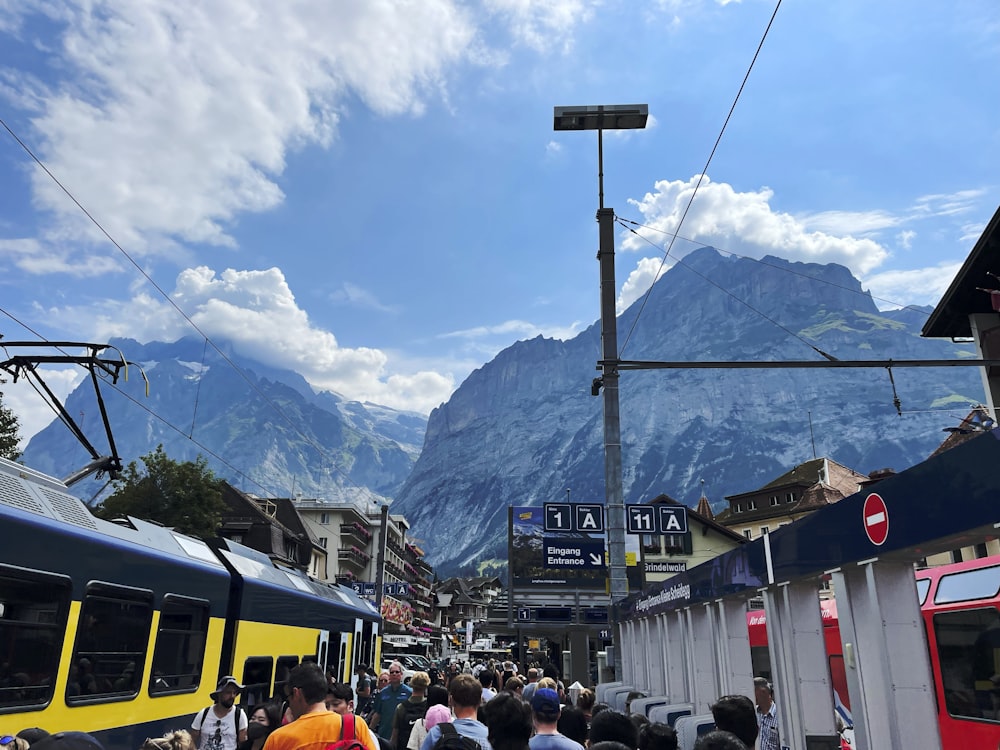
(849, 222)
(32, 410)
(257, 312)
(745, 223)
(520, 328)
(544, 24)
(170, 120)
(355, 296)
(905, 238)
(39, 257)
(645, 274)
(920, 286)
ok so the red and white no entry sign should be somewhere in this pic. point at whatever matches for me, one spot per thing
(876, 519)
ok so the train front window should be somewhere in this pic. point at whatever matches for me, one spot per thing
(968, 645)
(33, 611)
(180, 646)
(111, 640)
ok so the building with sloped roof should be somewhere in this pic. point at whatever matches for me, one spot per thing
(808, 487)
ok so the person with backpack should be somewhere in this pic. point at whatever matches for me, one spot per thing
(314, 727)
(410, 711)
(222, 726)
(464, 733)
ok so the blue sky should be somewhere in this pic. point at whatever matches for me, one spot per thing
(371, 193)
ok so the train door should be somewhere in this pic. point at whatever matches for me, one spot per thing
(323, 649)
(343, 657)
(358, 655)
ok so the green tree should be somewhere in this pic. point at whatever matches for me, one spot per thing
(184, 495)
(8, 433)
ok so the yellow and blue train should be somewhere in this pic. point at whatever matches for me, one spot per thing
(123, 629)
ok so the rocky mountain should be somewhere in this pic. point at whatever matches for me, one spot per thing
(524, 428)
(313, 444)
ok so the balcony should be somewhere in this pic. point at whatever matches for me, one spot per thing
(354, 556)
(356, 532)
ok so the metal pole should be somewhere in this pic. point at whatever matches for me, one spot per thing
(612, 422)
(380, 562)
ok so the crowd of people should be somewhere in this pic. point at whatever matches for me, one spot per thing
(481, 707)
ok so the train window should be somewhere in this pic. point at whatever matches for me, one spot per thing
(34, 608)
(257, 672)
(968, 585)
(285, 664)
(111, 641)
(923, 586)
(180, 645)
(968, 645)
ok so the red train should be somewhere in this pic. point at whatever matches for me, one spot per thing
(960, 604)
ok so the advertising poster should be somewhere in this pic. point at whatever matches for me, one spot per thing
(571, 560)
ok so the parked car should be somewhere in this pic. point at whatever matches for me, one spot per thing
(412, 663)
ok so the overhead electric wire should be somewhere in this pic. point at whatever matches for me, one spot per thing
(761, 261)
(167, 297)
(701, 177)
(738, 299)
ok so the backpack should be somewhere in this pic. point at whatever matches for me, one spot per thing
(450, 739)
(412, 713)
(236, 716)
(348, 740)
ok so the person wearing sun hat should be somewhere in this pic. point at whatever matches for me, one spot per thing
(222, 726)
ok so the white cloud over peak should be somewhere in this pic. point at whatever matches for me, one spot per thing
(745, 223)
(257, 312)
(170, 120)
(919, 286)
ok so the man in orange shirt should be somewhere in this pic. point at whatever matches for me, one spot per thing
(314, 726)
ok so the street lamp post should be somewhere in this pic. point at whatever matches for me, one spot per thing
(601, 118)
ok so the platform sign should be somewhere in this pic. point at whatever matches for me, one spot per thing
(876, 519)
(523, 614)
(673, 519)
(529, 566)
(589, 518)
(558, 517)
(641, 519)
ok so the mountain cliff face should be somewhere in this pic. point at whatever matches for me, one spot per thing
(524, 428)
(362, 447)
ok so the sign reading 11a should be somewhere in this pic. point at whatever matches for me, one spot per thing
(574, 517)
(656, 519)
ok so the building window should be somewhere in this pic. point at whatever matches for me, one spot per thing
(763, 530)
(324, 518)
(322, 542)
(751, 505)
(981, 551)
(790, 497)
(774, 500)
(677, 544)
(737, 508)
(747, 533)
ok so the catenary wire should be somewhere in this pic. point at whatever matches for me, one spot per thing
(142, 406)
(704, 171)
(169, 299)
(738, 299)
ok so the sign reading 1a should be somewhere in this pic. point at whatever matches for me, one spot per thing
(574, 517)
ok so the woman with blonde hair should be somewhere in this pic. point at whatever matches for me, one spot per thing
(179, 739)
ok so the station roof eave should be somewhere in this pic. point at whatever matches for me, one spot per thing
(950, 318)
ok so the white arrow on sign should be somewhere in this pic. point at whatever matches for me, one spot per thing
(596, 559)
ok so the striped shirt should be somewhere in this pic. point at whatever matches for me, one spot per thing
(767, 721)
